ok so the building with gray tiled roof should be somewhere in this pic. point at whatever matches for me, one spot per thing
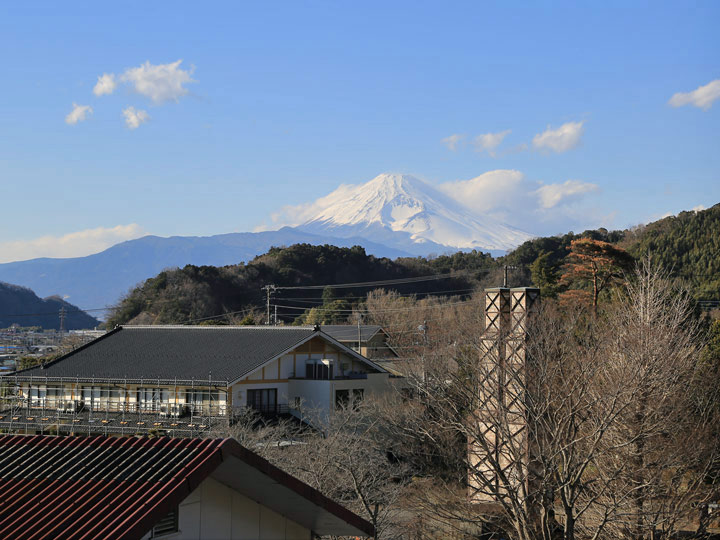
(184, 378)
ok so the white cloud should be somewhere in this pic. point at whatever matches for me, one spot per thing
(699, 208)
(550, 195)
(78, 114)
(105, 85)
(76, 244)
(509, 197)
(702, 97)
(486, 192)
(135, 117)
(292, 215)
(488, 142)
(161, 82)
(561, 139)
(453, 141)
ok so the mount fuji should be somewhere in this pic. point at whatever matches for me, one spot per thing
(402, 211)
(391, 216)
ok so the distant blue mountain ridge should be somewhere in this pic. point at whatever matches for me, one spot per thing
(101, 279)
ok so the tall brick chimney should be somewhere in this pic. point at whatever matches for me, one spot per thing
(501, 448)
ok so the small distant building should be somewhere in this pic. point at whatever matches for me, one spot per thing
(181, 380)
(87, 334)
(370, 340)
(124, 488)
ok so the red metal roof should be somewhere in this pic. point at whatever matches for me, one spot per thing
(72, 487)
(117, 488)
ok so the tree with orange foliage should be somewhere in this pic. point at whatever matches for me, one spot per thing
(594, 261)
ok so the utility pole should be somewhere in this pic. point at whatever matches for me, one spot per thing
(62, 320)
(424, 328)
(269, 290)
(505, 277)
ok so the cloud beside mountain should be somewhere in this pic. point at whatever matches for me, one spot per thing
(552, 195)
(75, 244)
(486, 192)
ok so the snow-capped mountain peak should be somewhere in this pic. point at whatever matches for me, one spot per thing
(403, 210)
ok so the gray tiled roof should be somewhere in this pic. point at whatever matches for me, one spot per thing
(349, 332)
(223, 353)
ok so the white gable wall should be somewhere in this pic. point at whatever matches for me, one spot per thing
(215, 511)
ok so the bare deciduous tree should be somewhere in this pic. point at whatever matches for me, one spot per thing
(608, 430)
(665, 439)
(346, 459)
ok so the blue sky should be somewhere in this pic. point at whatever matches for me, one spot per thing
(289, 100)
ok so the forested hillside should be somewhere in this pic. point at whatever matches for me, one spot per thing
(199, 294)
(687, 246)
(22, 306)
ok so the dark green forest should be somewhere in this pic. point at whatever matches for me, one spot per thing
(687, 246)
(23, 307)
(197, 294)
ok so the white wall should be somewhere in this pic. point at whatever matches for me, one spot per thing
(318, 396)
(315, 395)
(215, 511)
(287, 367)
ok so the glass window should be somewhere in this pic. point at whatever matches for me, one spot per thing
(218, 397)
(197, 395)
(342, 398)
(263, 399)
(347, 398)
(318, 371)
(148, 397)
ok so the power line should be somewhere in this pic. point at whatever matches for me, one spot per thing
(373, 283)
(409, 308)
(67, 311)
(301, 299)
(227, 313)
(404, 325)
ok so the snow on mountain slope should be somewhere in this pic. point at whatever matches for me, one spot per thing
(399, 209)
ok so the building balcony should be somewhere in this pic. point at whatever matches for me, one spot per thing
(346, 377)
(69, 407)
(267, 411)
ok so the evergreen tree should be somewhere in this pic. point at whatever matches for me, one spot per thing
(595, 263)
